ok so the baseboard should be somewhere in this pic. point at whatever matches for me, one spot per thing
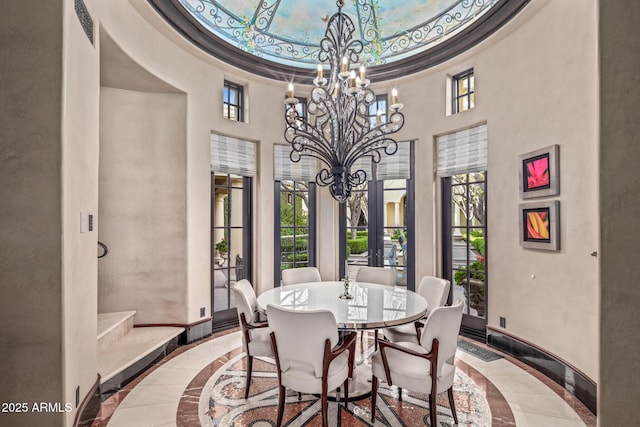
(198, 331)
(563, 373)
(90, 406)
(192, 332)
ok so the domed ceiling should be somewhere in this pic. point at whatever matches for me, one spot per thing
(285, 34)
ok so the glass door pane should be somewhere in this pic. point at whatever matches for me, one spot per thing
(295, 234)
(357, 233)
(394, 222)
(229, 255)
(467, 240)
(377, 222)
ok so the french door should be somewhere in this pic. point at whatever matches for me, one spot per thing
(464, 255)
(294, 226)
(230, 242)
(377, 226)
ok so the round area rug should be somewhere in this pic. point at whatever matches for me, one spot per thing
(222, 402)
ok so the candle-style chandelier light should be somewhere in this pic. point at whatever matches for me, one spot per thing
(338, 128)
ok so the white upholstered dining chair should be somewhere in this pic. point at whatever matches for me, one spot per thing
(309, 358)
(294, 276)
(255, 334)
(436, 291)
(380, 276)
(427, 367)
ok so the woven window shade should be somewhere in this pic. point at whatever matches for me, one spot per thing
(397, 166)
(463, 151)
(365, 164)
(232, 155)
(285, 169)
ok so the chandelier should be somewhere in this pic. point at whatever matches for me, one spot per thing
(338, 128)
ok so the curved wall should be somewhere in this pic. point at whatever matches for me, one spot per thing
(534, 88)
(537, 84)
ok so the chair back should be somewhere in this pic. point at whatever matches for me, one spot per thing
(300, 336)
(293, 276)
(435, 290)
(444, 324)
(245, 298)
(379, 275)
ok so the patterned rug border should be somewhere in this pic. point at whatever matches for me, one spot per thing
(188, 412)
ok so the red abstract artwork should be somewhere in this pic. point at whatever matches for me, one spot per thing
(538, 173)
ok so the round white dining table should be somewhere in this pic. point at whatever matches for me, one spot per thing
(373, 306)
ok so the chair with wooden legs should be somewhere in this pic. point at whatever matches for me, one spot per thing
(427, 367)
(309, 358)
(255, 334)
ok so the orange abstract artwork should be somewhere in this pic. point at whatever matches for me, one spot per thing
(538, 225)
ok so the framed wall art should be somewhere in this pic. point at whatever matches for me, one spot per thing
(539, 173)
(540, 225)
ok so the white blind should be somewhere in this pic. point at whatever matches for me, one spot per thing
(232, 155)
(286, 169)
(363, 163)
(463, 151)
(398, 165)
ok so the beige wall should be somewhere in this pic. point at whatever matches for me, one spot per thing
(536, 86)
(79, 184)
(531, 107)
(30, 213)
(132, 26)
(619, 193)
(143, 205)
(49, 176)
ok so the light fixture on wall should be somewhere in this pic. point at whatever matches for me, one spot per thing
(338, 129)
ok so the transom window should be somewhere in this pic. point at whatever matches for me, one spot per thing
(463, 91)
(233, 95)
(378, 110)
(301, 108)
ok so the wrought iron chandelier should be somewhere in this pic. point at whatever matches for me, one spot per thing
(338, 129)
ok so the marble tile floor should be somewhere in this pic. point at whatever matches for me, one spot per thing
(180, 390)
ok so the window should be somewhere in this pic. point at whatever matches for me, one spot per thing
(462, 165)
(233, 164)
(463, 91)
(301, 109)
(296, 224)
(466, 240)
(380, 106)
(294, 211)
(232, 101)
(230, 240)
(377, 221)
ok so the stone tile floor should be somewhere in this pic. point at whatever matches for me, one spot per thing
(202, 384)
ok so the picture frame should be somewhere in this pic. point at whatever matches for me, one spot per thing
(540, 225)
(539, 173)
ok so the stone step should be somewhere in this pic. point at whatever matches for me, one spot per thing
(112, 327)
(133, 353)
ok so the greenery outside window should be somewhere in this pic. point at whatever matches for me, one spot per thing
(468, 237)
(295, 225)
